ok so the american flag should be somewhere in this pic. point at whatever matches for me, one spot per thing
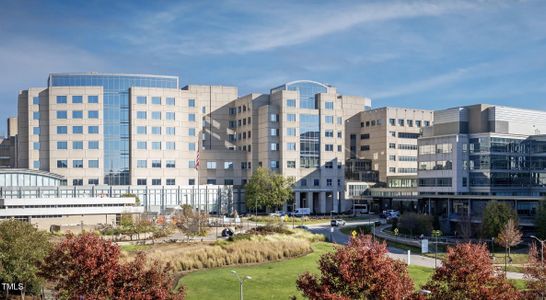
(197, 162)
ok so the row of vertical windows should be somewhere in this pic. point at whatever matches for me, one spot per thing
(157, 181)
(316, 182)
(75, 99)
(142, 145)
(156, 115)
(77, 145)
(77, 129)
(77, 114)
(77, 163)
(169, 101)
(410, 123)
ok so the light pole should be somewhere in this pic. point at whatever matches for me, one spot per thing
(436, 234)
(541, 249)
(241, 281)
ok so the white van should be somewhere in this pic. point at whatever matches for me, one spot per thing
(300, 212)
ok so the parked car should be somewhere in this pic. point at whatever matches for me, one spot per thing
(300, 212)
(389, 214)
(337, 222)
(278, 213)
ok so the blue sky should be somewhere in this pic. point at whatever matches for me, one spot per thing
(428, 54)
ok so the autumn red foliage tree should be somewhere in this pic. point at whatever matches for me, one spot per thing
(89, 266)
(535, 273)
(468, 273)
(360, 270)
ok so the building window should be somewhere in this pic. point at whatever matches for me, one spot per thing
(77, 129)
(365, 136)
(61, 99)
(156, 100)
(427, 123)
(392, 122)
(141, 99)
(60, 129)
(291, 146)
(328, 182)
(211, 165)
(156, 145)
(274, 147)
(77, 145)
(400, 122)
(142, 164)
(408, 135)
(410, 123)
(191, 117)
(36, 130)
(191, 146)
(141, 115)
(141, 130)
(141, 181)
(170, 101)
(316, 182)
(291, 131)
(274, 118)
(36, 164)
(77, 163)
(36, 115)
(329, 105)
(392, 169)
(203, 109)
(156, 115)
(365, 148)
(191, 164)
(392, 146)
(274, 164)
(93, 145)
(171, 116)
(170, 181)
(141, 145)
(392, 157)
(339, 147)
(228, 165)
(77, 181)
(93, 129)
(191, 102)
(156, 181)
(211, 181)
(291, 164)
(328, 147)
(339, 120)
(417, 123)
(303, 182)
(329, 119)
(77, 99)
(93, 114)
(329, 165)
(62, 164)
(93, 163)
(156, 163)
(36, 100)
(170, 145)
(93, 99)
(171, 164)
(170, 130)
(62, 114)
(156, 130)
(36, 145)
(93, 181)
(291, 102)
(77, 114)
(329, 133)
(291, 117)
(274, 131)
(62, 145)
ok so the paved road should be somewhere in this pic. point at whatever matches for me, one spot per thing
(339, 237)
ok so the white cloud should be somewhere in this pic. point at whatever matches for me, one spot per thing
(291, 24)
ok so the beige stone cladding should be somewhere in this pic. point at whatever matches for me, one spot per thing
(163, 136)
(388, 136)
(74, 152)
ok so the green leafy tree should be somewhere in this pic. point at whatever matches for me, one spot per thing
(495, 216)
(267, 189)
(22, 248)
(415, 224)
(541, 220)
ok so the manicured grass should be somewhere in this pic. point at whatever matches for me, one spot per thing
(134, 248)
(269, 281)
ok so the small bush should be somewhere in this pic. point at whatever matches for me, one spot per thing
(269, 229)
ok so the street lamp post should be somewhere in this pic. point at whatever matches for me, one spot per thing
(241, 281)
(436, 234)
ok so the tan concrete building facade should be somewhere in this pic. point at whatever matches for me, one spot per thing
(388, 137)
(123, 129)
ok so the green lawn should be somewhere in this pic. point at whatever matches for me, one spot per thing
(269, 281)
